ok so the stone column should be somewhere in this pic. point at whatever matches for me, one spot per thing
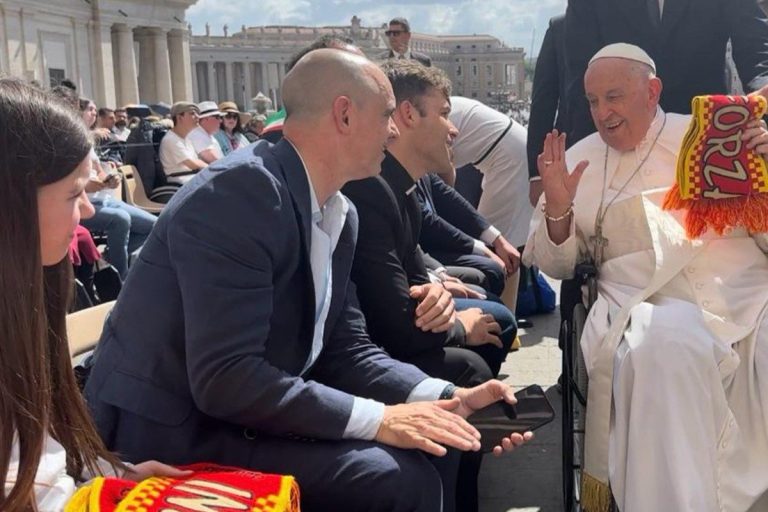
(273, 81)
(230, 81)
(103, 66)
(125, 60)
(195, 86)
(213, 93)
(4, 57)
(162, 67)
(248, 85)
(15, 38)
(181, 66)
(147, 89)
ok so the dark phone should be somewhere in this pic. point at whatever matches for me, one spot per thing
(500, 419)
(110, 176)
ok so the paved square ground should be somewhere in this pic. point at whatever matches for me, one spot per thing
(529, 479)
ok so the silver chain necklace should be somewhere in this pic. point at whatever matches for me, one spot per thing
(598, 240)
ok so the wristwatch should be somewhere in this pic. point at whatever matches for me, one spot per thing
(448, 392)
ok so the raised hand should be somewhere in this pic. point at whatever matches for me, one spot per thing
(559, 184)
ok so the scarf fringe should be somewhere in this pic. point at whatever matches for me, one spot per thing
(595, 495)
(750, 212)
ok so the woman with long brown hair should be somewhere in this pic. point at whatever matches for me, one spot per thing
(47, 440)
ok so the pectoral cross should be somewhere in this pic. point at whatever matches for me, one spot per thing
(600, 243)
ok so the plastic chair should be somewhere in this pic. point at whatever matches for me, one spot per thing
(84, 328)
(135, 190)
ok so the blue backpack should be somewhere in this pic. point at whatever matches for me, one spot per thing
(534, 296)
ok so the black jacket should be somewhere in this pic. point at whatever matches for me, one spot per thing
(388, 261)
(548, 95)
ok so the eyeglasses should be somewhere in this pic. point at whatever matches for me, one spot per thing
(231, 115)
(390, 33)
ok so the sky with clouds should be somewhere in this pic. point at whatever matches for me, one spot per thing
(512, 21)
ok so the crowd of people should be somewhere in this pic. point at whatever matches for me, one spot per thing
(329, 307)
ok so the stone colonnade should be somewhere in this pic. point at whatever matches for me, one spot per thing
(236, 80)
(162, 73)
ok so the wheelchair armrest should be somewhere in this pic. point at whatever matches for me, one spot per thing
(584, 271)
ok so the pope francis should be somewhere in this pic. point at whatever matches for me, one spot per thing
(676, 345)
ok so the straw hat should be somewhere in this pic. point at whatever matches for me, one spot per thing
(230, 107)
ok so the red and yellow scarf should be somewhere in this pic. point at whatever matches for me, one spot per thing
(720, 182)
(209, 488)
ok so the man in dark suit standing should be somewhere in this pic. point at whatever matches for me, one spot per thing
(685, 38)
(237, 339)
(548, 100)
(399, 35)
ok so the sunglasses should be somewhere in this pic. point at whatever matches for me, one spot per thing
(390, 33)
(231, 116)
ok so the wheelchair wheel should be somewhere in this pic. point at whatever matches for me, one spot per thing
(574, 393)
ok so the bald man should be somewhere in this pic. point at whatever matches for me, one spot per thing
(676, 345)
(237, 338)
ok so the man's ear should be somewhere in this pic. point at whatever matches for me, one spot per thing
(342, 114)
(406, 115)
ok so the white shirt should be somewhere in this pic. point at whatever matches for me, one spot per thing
(104, 193)
(202, 140)
(173, 151)
(504, 202)
(121, 134)
(327, 223)
(53, 486)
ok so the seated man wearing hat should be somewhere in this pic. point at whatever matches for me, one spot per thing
(202, 139)
(231, 136)
(676, 344)
(178, 156)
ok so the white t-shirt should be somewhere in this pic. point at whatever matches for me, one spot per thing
(102, 194)
(202, 140)
(173, 151)
(504, 202)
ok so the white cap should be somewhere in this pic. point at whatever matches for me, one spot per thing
(624, 51)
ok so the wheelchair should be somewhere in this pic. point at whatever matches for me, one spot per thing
(574, 382)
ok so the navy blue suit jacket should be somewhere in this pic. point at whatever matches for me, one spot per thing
(204, 349)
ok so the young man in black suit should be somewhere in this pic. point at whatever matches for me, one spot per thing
(237, 338)
(388, 268)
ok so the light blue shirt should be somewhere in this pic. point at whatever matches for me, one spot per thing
(327, 223)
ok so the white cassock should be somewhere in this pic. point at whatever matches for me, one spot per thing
(689, 374)
(504, 202)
